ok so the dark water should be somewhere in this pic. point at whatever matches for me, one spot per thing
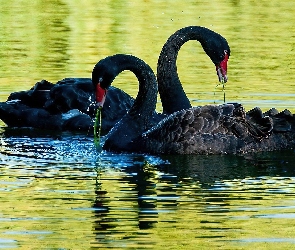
(58, 192)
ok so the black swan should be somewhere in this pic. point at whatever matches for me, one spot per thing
(211, 129)
(66, 105)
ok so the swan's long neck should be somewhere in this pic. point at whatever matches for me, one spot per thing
(146, 99)
(138, 118)
(171, 92)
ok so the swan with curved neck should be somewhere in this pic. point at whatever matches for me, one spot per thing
(211, 129)
(139, 118)
(215, 46)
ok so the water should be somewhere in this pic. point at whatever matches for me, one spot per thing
(58, 192)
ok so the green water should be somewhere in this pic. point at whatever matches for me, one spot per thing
(58, 192)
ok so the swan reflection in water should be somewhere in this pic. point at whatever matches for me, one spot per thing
(180, 182)
(140, 177)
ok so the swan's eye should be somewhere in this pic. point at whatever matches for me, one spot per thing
(226, 52)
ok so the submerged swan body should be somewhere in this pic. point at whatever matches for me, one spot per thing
(211, 129)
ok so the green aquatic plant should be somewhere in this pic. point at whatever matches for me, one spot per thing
(223, 89)
(97, 128)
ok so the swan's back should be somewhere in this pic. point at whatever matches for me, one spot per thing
(223, 129)
(194, 130)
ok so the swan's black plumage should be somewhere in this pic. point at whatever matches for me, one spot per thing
(66, 105)
(211, 129)
(141, 115)
(223, 129)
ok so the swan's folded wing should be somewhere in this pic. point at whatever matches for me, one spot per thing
(199, 130)
(190, 131)
(185, 124)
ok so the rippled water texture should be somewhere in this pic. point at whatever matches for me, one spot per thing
(58, 192)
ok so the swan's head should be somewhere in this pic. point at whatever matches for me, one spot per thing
(221, 68)
(100, 93)
(103, 74)
(218, 50)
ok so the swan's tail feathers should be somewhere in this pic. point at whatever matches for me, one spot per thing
(284, 121)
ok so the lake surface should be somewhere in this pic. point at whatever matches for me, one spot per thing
(58, 192)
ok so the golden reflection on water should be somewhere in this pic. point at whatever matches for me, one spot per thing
(134, 201)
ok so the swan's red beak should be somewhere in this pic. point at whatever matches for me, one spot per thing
(221, 69)
(100, 95)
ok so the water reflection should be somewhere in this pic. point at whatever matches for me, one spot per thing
(209, 169)
(129, 199)
(53, 48)
(101, 209)
(136, 209)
